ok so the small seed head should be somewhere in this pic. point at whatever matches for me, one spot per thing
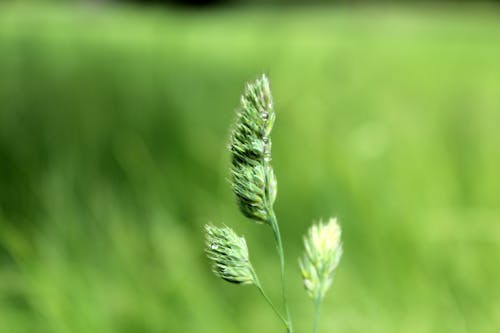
(323, 250)
(229, 255)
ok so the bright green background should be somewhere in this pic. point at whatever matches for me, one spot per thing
(113, 128)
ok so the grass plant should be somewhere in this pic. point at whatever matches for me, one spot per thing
(113, 122)
(255, 187)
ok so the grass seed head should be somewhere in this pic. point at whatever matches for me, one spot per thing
(253, 180)
(229, 255)
(323, 249)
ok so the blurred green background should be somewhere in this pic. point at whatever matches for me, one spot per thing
(114, 122)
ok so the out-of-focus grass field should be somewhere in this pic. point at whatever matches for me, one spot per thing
(113, 128)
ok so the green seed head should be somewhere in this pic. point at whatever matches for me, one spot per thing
(253, 180)
(323, 249)
(229, 255)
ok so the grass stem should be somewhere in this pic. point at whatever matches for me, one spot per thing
(317, 307)
(279, 246)
(268, 300)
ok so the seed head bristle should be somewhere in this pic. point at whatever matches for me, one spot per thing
(323, 250)
(229, 255)
(253, 179)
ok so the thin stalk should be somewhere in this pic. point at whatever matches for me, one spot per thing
(268, 300)
(279, 246)
(317, 307)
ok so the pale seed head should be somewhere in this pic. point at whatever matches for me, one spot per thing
(323, 249)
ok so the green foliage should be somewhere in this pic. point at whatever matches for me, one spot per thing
(112, 128)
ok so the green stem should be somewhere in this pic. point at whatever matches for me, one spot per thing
(317, 306)
(268, 300)
(273, 222)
